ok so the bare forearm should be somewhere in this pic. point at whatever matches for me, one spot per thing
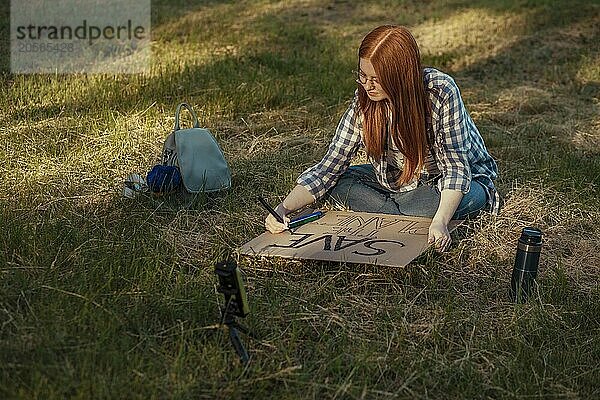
(298, 198)
(449, 202)
(438, 230)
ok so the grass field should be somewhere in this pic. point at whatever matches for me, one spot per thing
(106, 297)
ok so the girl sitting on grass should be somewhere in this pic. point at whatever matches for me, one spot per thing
(426, 156)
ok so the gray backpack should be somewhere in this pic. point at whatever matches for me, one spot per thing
(197, 155)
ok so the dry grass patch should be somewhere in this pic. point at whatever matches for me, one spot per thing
(588, 139)
(470, 36)
(571, 237)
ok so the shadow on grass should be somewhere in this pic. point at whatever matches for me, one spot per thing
(4, 38)
(162, 11)
(165, 11)
(280, 74)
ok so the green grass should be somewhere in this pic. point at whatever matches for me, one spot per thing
(106, 297)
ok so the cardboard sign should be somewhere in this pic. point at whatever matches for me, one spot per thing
(353, 237)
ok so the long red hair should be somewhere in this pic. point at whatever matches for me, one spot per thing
(394, 54)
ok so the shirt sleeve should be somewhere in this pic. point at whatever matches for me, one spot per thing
(321, 177)
(453, 141)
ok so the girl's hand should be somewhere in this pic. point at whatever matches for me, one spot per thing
(439, 235)
(274, 226)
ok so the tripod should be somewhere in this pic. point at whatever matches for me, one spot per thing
(236, 304)
(228, 318)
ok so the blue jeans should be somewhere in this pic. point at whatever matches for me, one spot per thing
(358, 190)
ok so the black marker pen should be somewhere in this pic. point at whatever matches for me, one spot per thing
(270, 210)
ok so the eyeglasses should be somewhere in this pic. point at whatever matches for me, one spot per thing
(361, 78)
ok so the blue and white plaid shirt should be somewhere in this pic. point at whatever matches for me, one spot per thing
(457, 147)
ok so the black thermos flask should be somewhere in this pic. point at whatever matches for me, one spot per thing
(526, 264)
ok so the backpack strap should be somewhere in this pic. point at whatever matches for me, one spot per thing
(187, 106)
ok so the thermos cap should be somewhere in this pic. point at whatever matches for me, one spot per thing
(530, 235)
